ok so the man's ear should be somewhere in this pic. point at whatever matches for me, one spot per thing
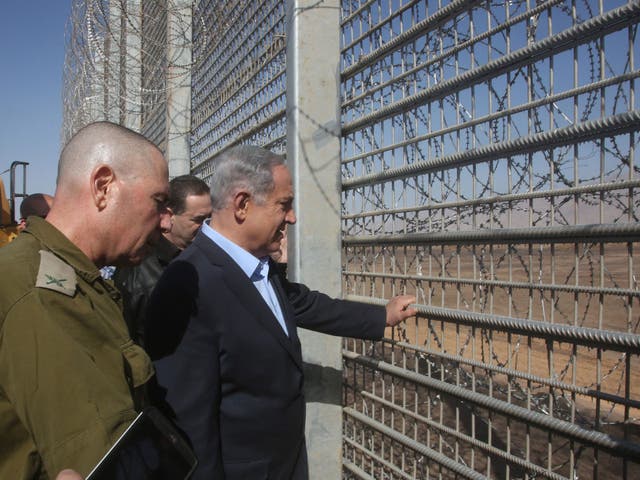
(102, 181)
(170, 214)
(241, 205)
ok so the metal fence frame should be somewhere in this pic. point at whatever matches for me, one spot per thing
(469, 132)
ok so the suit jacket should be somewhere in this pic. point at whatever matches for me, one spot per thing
(229, 373)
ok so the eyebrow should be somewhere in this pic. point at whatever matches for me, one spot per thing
(161, 197)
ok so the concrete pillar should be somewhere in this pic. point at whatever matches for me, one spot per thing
(178, 113)
(313, 154)
(131, 97)
(93, 95)
(113, 74)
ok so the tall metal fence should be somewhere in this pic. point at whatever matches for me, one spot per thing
(489, 167)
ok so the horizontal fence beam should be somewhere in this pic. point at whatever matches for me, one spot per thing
(431, 454)
(588, 337)
(541, 287)
(511, 373)
(614, 446)
(615, 125)
(581, 33)
(503, 199)
(617, 232)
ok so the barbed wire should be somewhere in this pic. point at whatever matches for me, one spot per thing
(119, 63)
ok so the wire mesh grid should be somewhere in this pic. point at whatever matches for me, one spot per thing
(239, 82)
(490, 167)
(154, 65)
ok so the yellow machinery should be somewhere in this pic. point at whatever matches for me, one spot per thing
(8, 225)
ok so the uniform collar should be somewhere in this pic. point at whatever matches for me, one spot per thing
(55, 241)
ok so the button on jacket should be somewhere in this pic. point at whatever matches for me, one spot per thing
(70, 375)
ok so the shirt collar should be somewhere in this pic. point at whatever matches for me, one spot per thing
(245, 260)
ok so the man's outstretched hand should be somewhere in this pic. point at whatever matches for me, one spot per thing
(399, 309)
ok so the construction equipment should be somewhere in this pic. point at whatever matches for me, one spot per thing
(8, 224)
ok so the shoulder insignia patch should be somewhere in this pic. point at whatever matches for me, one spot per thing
(55, 274)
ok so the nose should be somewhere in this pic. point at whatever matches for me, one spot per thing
(165, 220)
(291, 217)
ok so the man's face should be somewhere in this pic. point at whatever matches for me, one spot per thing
(185, 225)
(143, 202)
(266, 222)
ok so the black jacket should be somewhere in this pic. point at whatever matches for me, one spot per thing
(137, 283)
(229, 372)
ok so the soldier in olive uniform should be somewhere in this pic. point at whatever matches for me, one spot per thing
(70, 376)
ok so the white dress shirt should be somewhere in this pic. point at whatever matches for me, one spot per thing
(256, 269)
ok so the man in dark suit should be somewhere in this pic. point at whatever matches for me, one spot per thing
(222, 327)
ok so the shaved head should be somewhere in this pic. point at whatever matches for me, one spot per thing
(103, 143)
(111, 194)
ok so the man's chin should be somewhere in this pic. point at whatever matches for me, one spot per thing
(128, 262)
(135, 259)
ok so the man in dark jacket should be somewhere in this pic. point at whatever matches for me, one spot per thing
(222, 325)
(189, 205)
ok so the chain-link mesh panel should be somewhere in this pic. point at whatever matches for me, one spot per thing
(154, 68)
(239, 78)
(490, 167)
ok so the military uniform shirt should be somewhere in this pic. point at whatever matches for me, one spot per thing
(70, 376)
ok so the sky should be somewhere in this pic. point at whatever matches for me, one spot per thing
(32, 41)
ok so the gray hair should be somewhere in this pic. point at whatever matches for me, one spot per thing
(247, 167)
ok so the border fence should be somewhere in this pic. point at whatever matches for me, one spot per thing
(489, 166)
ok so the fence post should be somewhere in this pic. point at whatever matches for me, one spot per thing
(178, 86)
(313, 153)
